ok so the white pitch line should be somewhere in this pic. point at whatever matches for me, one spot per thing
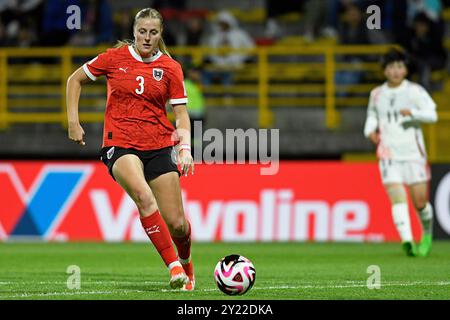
(49, 294)
(74, 293)
(362, 285)
(84, 282)
(127, 291)
(387, 284)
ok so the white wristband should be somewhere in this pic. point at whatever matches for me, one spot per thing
(185, 147)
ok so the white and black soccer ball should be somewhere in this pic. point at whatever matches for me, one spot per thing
(234, 274)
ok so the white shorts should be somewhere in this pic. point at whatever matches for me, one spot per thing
(404, 172)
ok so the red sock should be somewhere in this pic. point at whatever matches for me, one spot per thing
(184, 244)
(159, 234)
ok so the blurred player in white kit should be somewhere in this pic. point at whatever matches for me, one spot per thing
(396, 110)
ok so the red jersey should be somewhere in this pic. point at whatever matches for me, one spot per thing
(138, 89)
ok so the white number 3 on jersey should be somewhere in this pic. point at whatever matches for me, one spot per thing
(141, 85)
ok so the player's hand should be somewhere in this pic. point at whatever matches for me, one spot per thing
(76, 133)
(406, 112)
(374, 137)
(186, 162)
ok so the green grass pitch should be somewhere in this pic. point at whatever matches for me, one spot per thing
(283, 271)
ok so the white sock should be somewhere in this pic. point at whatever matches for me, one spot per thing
(400, 214)
(174, 264)
(426, 216)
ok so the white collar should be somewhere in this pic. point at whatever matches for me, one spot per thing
(139, 58)
(401, 86)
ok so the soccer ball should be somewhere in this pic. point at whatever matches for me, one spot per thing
(234, 274)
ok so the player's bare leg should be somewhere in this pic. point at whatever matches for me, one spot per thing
(128, 172)
(167, 191)
(400, 214)
(419, 195)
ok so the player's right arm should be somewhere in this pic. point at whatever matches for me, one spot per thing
(89, 71)
(371, 125)
(74, 83)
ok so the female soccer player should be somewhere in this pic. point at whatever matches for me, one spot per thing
(394, 114)
(138, 139)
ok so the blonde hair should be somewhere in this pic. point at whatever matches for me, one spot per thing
(146, 13)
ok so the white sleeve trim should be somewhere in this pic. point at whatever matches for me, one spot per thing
(88, 73)
(426, 115)
(178, 101)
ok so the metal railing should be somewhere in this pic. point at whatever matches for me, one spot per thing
(261, 72)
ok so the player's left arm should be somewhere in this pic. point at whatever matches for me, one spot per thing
(178, 100)
(425, 109)
(183, 124)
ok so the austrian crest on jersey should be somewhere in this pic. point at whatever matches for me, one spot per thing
(158, 74)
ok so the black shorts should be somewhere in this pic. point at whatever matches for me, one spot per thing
(156, 162)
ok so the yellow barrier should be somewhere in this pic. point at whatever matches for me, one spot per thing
(3, 90)
(261, 72)
(314, 79)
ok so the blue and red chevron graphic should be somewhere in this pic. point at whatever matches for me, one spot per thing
(46, 201)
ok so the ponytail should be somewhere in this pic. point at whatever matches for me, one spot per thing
(163, 48)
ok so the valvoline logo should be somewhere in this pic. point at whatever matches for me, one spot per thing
(79, 201)
(36, 202)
